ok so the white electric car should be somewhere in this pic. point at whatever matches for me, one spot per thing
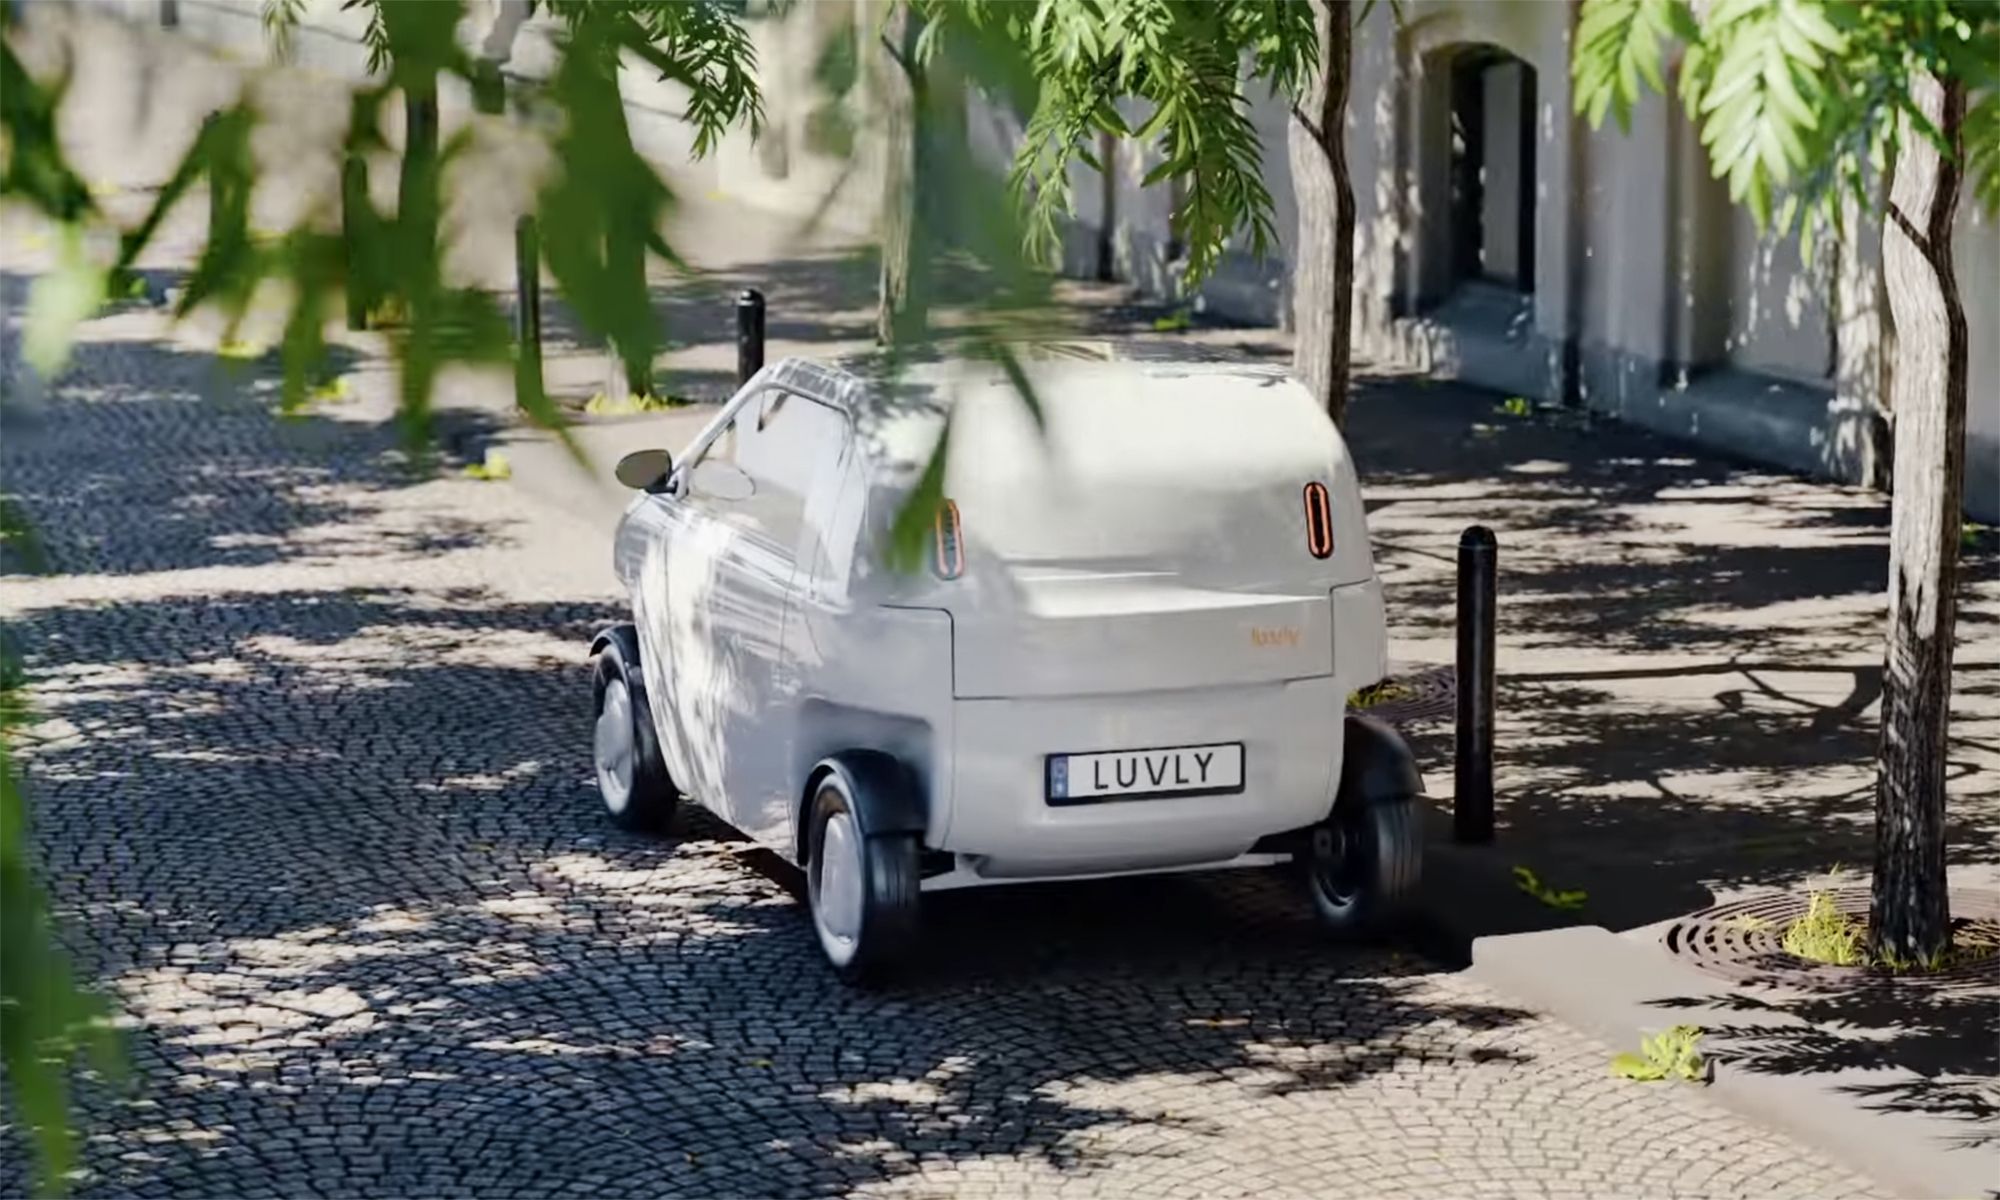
(1127, 647)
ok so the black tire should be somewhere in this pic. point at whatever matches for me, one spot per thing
(641, 796)
(1363, 865)
(868, 931)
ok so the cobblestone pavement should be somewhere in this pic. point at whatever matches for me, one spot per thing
(312, 796)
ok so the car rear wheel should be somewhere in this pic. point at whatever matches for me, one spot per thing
(1363, 865)
(862, 889)
(625, 750)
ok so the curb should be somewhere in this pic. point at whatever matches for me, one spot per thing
(1619, 988)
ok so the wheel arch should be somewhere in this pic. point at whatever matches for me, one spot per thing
(1376, 765)
(881, 787)
(624, 634)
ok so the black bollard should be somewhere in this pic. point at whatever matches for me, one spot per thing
(1472, 793)
(527, 313)
(353, 205)
(749, 334)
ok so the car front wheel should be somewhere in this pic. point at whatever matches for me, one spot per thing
(862, 889)
(625, 750)
(1363, 865)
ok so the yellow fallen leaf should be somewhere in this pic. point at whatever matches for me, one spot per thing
(495, 467)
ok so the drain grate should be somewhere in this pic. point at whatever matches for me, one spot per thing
(1743, 941)
(1428, 694)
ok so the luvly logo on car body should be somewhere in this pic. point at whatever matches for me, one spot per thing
(1283, 635)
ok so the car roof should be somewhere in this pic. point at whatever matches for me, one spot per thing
(899, 413)
(872, 386)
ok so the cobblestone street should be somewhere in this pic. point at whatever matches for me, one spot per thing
(312, 793)
(311, 790)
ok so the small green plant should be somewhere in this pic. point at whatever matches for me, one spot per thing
(1961, 952)
(603, 405)
(1748, 923)
(1826, 934)
(1968, 535)
(1517, 406)
(1674, 1054)
(1175, 321)
(1377, 693)
(1531, 883)
(495, 467)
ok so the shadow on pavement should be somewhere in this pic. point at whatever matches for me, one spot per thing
(1690, 649)
(1930, 1043)
(340, 855)
(333, 847)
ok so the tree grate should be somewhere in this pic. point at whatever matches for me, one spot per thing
(1429, 694)
(1744, 942)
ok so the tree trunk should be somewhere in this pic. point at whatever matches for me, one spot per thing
(900, 97)
(1909, 919)
(420, 153)
(1323, 272)
(1107, 205)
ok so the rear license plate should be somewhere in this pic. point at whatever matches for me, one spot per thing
(1137, 774)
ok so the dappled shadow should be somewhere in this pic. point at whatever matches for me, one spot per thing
(329, 840)
(339, 854)
(1689, 672)
(1902, 1046)
(148, 455)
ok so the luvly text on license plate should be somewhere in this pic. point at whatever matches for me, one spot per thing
(1135, 774)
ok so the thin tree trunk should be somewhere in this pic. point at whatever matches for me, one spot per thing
(1323, 273)
(1107, 205)
(899, 92)
(1909, 918)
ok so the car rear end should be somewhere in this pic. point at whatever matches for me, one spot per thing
(1158, 606)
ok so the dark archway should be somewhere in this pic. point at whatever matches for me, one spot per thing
(1492, 169)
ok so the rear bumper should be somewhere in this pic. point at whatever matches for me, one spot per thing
(1002, 822)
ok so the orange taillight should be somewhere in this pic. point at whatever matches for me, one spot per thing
(949, 547)
(1319, 520)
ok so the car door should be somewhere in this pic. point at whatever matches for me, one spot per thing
(789, 445)
(692, 631)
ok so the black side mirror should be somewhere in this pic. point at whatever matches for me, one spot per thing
(645, 470)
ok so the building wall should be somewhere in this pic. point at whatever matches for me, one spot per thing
(1654, 300)
(1977, 246)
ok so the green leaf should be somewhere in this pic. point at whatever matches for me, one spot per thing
(58, 301)
(1632, 1066)
(36, 170)
(910, 532)
(1617, 49)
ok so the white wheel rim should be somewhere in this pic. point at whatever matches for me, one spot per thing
(837, 896)
(613, 745)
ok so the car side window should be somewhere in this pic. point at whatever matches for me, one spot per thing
(786, 439)
(712, 473)
(759, 471)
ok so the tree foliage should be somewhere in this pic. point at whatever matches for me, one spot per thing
(45, 1017)
(1800, 103)
(1810, 109)
(1183, 60)
(601, 207)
